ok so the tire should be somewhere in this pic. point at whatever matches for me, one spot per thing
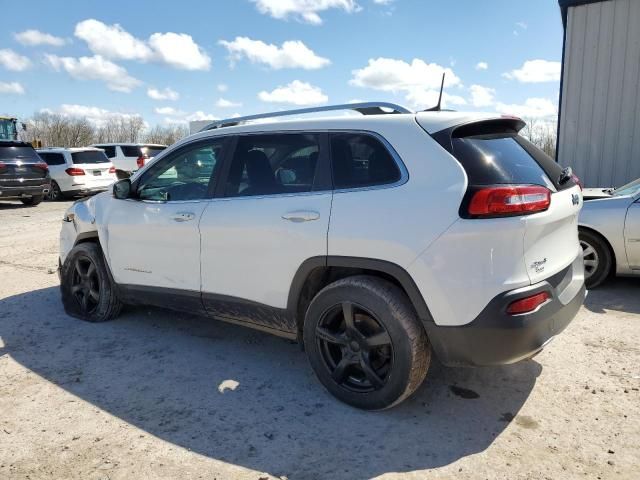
(32, 201)
(598, 261)
(87, 289)
(55, 194)
(379, 361)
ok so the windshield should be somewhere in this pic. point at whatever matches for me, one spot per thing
(628, 189)
(90, 156)
(7, 129)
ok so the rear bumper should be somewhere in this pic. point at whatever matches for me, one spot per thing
(497, 338)
(24, 191)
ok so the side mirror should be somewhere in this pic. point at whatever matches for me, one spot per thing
(122, 189)
(121, 174)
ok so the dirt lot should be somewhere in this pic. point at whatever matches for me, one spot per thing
(156, 394)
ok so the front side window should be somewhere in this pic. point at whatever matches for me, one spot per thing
(185, 175)
(273, 164)
(360, 160)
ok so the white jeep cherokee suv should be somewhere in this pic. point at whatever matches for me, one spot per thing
(374, 240)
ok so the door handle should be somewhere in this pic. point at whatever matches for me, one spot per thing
(301, 216)
(184, 216)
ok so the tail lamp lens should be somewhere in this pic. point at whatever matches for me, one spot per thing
(140, 161)
(74, 172)
(528, 304)
(509, 200)
(112, 170)
(42, 166)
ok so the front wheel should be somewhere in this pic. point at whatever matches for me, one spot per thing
(87, 290)
(365, 342)
(597, 258)
(55, 193)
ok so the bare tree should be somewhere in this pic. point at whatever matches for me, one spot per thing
(165, 135)
(542, 134)
(56, 130)
(120, 129)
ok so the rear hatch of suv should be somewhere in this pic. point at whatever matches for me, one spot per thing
(141, 153)
(20, 166)
(510, 177)
(92, 168)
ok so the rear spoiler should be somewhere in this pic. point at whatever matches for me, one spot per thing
(504, 124)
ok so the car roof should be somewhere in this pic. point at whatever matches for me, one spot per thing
(70, 149)
(120, 144)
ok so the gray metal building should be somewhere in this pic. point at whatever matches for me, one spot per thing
(599, 122)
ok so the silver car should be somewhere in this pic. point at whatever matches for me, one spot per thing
(609, 228)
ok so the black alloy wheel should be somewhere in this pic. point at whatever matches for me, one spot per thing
(85, 285)
(355, 347)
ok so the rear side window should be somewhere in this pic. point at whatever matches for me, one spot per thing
(361, 160)
(110, 151)
(53, 158)
(89, 157)
(151, 150)
(131, 151)
(273, 164)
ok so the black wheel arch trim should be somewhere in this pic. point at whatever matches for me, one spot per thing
(389, 268)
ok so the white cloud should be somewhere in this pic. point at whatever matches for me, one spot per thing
(13, 61)
(224, 103)
(296, 93)
(536, 71)
(114, 42)
(168, 111)
(303, 10)
(522, 25)
(222, 87)
(95, 68)
(482, 66)
(11, 88)
(33, 38)
(96, 115)
(532, 108)
(180, 51)
(383, 2)
(418, 80)
(166, 94)
(292, 53)
(482, 96)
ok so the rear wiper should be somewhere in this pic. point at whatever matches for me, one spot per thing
(565, 176)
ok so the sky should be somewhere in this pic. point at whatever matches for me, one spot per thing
(172, 62)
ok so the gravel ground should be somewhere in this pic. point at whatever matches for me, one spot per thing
(156, 394)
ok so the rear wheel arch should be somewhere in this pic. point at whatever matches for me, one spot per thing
(604, 239)
(607, 245)
(317, 272)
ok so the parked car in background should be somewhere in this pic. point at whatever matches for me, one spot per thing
(609, 229)
(130, 157)
(23, 174)
(77, 171)
(372, 240)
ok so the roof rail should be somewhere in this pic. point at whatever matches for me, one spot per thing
(365, 108)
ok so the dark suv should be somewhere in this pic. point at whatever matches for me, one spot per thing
(23, 174)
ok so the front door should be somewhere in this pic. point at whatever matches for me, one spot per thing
(153, 239)
(273, 215)
(632, 235)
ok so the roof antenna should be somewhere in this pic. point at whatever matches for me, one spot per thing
(438, 107)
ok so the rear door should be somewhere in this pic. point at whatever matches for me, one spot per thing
(272, 215)
(96, 166)
(57, 165)
(20, 166)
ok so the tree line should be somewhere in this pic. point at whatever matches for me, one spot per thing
(56, 130)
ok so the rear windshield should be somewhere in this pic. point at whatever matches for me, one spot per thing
(89, 157)
(136, 151)
(492, 154)
(18, 153)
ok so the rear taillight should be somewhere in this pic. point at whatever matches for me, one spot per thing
(112, 170)
(42, 166)
(140, 161)
(2, 165)
(74, 171)
(509, 200)
(528, 304)
(578, 181)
